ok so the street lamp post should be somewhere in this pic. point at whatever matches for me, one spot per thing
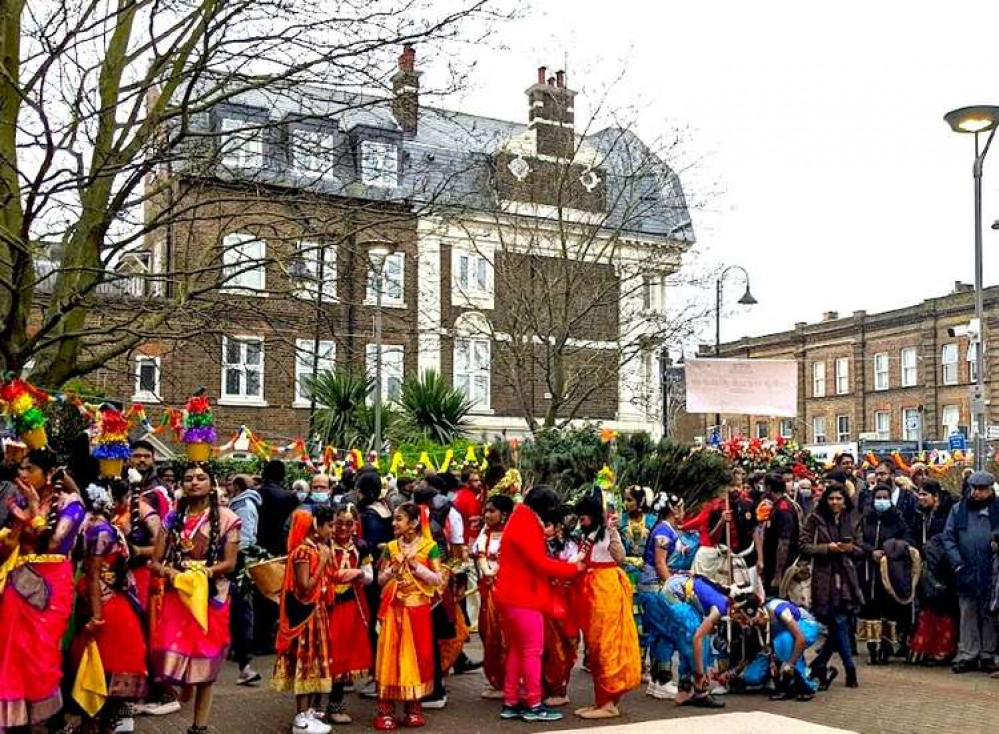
(746, 300)
(378, 256)
(977, 120)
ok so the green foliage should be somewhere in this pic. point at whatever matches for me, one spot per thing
(567, 458)
(666, 466)
(432, 408)
(65, 424)
(342, 416)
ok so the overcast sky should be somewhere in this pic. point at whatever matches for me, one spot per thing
(815, 148)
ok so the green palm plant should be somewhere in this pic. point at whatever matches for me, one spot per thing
(341, 395)
(432, 408)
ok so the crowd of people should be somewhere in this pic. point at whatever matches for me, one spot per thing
(383, 580)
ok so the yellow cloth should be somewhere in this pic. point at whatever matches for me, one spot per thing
(610, 632)
(192, 586)
(11, 563)
(90, 689)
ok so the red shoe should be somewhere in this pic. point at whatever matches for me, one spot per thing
(384, 722)
(414, 720)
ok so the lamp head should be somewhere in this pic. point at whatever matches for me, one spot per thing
(378, 255)
(974, 119)
(747, 298)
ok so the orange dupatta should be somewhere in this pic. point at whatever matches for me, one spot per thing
(301, 609)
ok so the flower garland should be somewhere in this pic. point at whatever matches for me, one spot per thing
(776, 454)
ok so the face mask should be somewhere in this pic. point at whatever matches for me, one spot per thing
(321, 498)
(302, 496)
(805, 492)
(882, 505)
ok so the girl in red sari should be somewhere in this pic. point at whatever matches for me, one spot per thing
(109, 612)
(141, 525)
(191, 639)
(302, 645)
(486, 553)
(36, 578)
(606, 614)
(349, 572)
(561, 629)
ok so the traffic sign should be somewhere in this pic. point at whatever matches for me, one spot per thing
(957, 442)
(993, 433)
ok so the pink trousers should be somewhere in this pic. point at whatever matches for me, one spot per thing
(525, 629)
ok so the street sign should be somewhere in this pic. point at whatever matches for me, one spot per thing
(957, 442)
(993, 433)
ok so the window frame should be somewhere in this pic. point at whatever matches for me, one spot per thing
(914, 367)
(949, 357)
(816, 434)
(787, 428)
(304, 369)
(387, 373)
(479, 260)
(140, 395)
(842, 436)
(371, 295)
(842, 375)
(474, 371)
(886, 372)
(957, 418)
(233, 281)
(877, 430)
(380, 180)
(307, 290)
(972, 359)
(819, 379)
(765, 425)
(240, 157)
(243, 398)
(906, 413)
(314, 163)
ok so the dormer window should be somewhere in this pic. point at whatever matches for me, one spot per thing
(242, 145)
(379, 164)
(312, 150)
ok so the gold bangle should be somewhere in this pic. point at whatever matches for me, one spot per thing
(38, 522)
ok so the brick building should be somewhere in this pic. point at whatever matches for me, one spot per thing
(894, 376)
(282, 194)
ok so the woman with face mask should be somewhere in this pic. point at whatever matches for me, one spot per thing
(881, 613)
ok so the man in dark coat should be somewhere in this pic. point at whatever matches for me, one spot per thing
(781, 535)
(277, 504)
(968, 540)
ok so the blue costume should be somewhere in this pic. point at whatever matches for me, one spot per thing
(654, 605)
(782, 643)
(688, 600)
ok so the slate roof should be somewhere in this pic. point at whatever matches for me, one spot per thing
(449, 160)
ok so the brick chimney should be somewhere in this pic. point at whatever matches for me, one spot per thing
(406, 87)
(830, 315)
(551, 114)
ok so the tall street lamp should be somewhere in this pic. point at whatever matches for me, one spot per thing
(977, 120)
(746, 300)
(377, 255)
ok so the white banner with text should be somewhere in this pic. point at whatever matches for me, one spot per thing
(764, 387)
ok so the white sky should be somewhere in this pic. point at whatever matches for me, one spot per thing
(820, 158)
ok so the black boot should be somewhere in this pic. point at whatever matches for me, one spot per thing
(872, 651)
(851, 677)
(884, 653)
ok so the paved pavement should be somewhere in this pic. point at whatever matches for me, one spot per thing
(898, 699)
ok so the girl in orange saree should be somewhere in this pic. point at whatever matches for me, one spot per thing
(486, 552)
(606, 613)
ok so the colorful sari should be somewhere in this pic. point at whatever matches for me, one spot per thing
(35, 610)
(350, 651)
(303, 649)
(121, 639)
(183, 652)
(610, 632)
(494, 647)
(404, 664)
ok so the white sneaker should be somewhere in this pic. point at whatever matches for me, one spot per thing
(719, 690)
(305, 724)
(662, 691)
(247, 676)
(370, 690)
(125, 726)
(162, 708)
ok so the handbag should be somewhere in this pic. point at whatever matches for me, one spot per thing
(796, 585)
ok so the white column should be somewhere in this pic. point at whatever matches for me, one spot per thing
(429, 318)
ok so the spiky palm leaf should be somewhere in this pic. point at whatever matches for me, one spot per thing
(433, 408)
(340, 396)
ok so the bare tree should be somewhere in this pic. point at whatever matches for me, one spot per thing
(104, 102)
(583, 234)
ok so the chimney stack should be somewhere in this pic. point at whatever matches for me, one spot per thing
(830, 315)
(406, 88)
(551, 114)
